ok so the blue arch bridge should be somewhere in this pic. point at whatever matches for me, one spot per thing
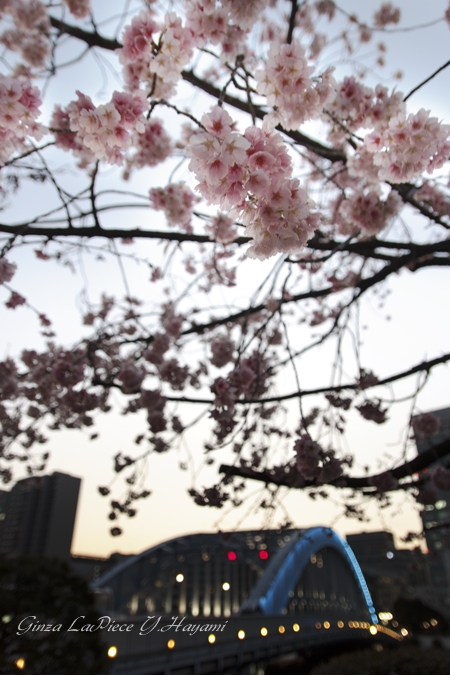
(212, 603)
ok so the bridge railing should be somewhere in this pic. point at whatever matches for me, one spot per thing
(160, 644)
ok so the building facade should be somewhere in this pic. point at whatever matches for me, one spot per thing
(38, 516)
(436, 517)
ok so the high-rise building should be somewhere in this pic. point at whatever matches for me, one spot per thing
(38, 516)
(390, 573)
(436, 517)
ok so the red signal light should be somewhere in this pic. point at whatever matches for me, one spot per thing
(231, 555)
(263, 555)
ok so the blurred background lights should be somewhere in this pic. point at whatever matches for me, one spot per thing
(385, 616)
(20, 664)
(241, 634)
(179, 578)
(264, 631)
(171, 644)
(112, 652)
(211, 639)
(226, 586)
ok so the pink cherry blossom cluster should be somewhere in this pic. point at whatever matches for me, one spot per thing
(372, 410)
(367, 212)
(159, 346)
(7, 270)
(15, 300)
(252, 173)
(287, 84)
(177, 201)
(356, 106)
(314, 463)
(325, 7)
(131, 378)
(385, 15)
(222, 229)
(152, 146)
(101, 132)
(213, 496)
(30, 35)
(171, 320)
(222, 348)
(145, 55)
(79, 8)
(53, 380)
(226, 24)
(425, 425)
(409, 146)
(19, 110)
(434, 198)
(152, 401)
(249, 378)
(172, 372)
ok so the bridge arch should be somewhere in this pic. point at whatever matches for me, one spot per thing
(274, 592)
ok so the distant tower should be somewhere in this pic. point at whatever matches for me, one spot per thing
(37, 516)
(436, 517)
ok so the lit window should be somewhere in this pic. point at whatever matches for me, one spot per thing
(295, 627)
(226, 586)
(179, 578)
(20, 664)
(264, 631)
(326, 624)
(263, 555)
(211, 639)
(241, 634)
(112, 652)
(231, 555)
(171, 644)
(281, 629)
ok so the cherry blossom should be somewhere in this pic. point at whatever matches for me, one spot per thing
(7, 270)
(177, 201)
(345, 182)
(425, 425)
(19, 110)
(252, 174)
(287, 84)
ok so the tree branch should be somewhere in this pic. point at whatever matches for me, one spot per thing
(419, 463)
